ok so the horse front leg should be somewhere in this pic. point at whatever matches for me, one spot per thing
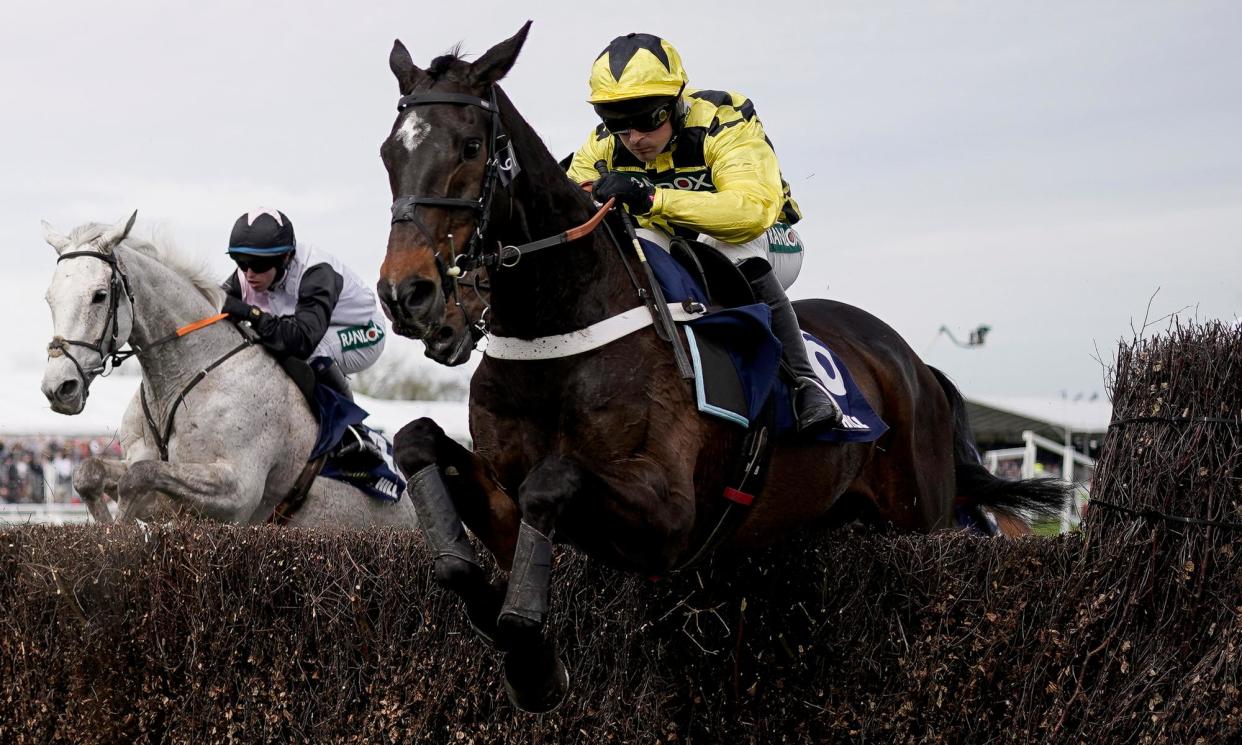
(96, 479)
(535, 677)
(447, 485)
(209, 490)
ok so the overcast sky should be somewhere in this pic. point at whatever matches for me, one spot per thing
(1041, 168)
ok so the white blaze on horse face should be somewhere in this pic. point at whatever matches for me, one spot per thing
(413, 131)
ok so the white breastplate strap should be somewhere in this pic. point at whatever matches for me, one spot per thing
(583, 340)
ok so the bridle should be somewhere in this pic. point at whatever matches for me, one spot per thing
(109, 356)
(404, 207)
(501, 166)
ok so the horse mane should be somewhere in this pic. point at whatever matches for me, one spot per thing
(162, 249)
(444, 66)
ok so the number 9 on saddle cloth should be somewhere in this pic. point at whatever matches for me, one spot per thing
(735, 354)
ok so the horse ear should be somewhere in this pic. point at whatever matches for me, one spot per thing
(495, 62)
(402, 65)
(55, 239)
(115, 234)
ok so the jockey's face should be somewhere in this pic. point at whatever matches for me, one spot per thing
(647, 145)
(260, 281)
(260, 271)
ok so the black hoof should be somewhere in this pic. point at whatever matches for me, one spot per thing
(532, 690)
(482, 617)
(514, 631)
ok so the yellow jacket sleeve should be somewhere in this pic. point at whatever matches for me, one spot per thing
(582, 169)
(748, 195)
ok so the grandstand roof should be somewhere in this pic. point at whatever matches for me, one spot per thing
(995, 416)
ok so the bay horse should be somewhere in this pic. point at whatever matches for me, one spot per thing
(606, 450)
(217, 429)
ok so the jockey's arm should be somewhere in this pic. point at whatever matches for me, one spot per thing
(298, 334)
(596, 148)
(748, 195)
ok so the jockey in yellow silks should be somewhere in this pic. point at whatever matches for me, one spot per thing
(697, 163)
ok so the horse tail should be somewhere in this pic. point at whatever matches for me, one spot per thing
(977, 487)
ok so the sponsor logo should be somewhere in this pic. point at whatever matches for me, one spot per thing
(700, 181)
(692, 181)
(387, 487)
(360, 337)
(783, 239)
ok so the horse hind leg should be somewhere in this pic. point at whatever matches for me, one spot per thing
(535, 678)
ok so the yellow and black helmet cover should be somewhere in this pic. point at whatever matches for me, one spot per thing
(636, 66)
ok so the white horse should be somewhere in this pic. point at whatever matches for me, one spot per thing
(232, 431)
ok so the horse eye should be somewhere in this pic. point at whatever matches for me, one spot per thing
(99, 296)
(471, 149)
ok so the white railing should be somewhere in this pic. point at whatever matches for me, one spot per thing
(1070, 458)
(41, 513)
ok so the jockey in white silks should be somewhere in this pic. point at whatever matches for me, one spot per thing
(301, 302)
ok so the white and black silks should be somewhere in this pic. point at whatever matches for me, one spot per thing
(316, 293)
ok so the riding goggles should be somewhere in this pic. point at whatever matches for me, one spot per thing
(257, 264)
(647, 121)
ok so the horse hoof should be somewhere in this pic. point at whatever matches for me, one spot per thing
(536, 697)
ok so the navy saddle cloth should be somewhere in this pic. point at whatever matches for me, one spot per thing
(335, 415)
(736, 360)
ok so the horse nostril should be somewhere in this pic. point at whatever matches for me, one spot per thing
(445, 333)
(67, 390)
(418, 294)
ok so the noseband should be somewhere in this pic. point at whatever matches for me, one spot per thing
(107, 359)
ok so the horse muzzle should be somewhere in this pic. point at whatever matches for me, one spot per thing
(67, 395)
(449, 345)
(414, 306)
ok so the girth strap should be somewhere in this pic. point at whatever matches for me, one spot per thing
(296, 497)
(749, 479)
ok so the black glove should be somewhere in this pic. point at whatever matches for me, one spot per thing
(631, 189)
(238, 309)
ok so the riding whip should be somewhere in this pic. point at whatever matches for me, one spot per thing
(655, 301)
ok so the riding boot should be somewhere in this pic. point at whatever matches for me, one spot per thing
(813, 407)
(360, 449)
(330, 374)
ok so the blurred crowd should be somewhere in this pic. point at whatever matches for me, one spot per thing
(40, 468)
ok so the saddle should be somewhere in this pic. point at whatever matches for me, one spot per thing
(724, 283)
(735, 355)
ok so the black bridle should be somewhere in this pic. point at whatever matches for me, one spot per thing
(109, 356)
(404, 207)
